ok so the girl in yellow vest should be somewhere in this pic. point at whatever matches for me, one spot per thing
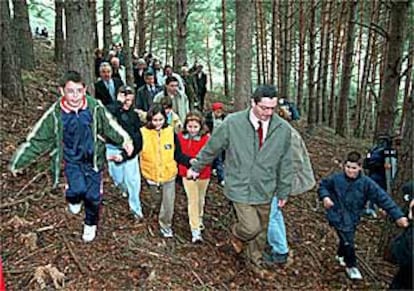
(160, 154)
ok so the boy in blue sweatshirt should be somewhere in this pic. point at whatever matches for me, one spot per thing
(344, 196)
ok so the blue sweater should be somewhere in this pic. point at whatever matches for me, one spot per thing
(350, 196)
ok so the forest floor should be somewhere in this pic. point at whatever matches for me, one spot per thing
(41, 243)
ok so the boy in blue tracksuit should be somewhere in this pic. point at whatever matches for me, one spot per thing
(344, 196)
(74, 129)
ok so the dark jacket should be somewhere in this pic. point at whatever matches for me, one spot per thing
(209, 120)
(402, 249)
(129, 121)
(144, 98)
(102, 93)
(201, 83)
(350, 196)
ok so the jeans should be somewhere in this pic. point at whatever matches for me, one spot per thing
(218, 165)
(346, 247)
(84, 184)
(127, 176)
(276, 233)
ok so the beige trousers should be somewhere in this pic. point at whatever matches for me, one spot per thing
(167, 203)
(196, 193)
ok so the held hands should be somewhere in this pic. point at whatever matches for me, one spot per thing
(327, 203)
(281, 203)
(115, 158)
(191, 174)
(402, 222)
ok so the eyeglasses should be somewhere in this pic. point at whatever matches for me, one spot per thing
(264, 108)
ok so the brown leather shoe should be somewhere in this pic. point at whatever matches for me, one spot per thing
(237, 244)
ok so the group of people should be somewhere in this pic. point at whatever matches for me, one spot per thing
(265, 162)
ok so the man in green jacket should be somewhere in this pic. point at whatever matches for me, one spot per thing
(74, 129)
(258, 166)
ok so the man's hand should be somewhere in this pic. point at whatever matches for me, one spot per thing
(129, 148)
(402, 222)
(327, 203)
(191, 174)
(281, 203)
(115, 158)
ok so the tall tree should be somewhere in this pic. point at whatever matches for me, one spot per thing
(11, 79)
(142, 27)
(244, 22)
(342, 120)
(394, 58)
(78, 31)
(107, 27)
(94, 23)
(273, 42)
(311, 67)
(24, 39)
(224, 44)
(125, 38)
(302, 36)
(59, 39)
(181, 52)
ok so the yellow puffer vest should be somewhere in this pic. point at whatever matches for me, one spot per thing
(157, 155)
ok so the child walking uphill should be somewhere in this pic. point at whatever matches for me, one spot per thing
(160, 154)
(344, 196)
(124, 170)
(192, 139)
(73, 130)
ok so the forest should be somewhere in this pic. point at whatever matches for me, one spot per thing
(347, 65)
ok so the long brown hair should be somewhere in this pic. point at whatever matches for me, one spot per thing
(194, 116)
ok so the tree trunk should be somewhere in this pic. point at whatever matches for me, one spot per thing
(273, 43)
(125, 38)
(342, 120)
(136, 27)
(324, 81)
(172, 24)
(142, 27)
(288, 26)
(107, 27)
(59, 38)
(95, 40)
(302, 35)
(311, 67)
(224, 44)
(281, 44)
(391, 82)
(261, 22)
(11, 79)
(257, 40)
(24, 41)
(152, 31)
(408, 81)
(244, 22)
(208, 52)
(79, 57)
(181, 52)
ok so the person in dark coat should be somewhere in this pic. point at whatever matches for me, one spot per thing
(344, 196)
(106, 87)
(201, 83)
(145, 95)
(402, 247)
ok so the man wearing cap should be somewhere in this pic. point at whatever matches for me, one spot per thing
(257, 143)
(214, 119)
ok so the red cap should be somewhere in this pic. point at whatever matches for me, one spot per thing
(217, 105)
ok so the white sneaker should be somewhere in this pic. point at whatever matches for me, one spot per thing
(222, 183)
(214, 172)
(167, 232)
(74, 208)
(124, 194)
(89, 233)
(196, 236)
(341, 261)
(353, 273)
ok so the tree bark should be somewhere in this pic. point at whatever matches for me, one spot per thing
(408, 81)
(244, 22)
(125, 38)
(11, 79)
(142, 27)
(152, 21)
(342, 120)
(181, 51)
(107, 27)
(95, 40)
(59, 38)
(273, 43)
(79, 56)
(224, 44)
(257, 41)
(24, 41)
(302, 35)
(311, 67)
(391, 82)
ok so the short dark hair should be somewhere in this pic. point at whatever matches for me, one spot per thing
(126, 90)
(166, 102)
(148, 74)
(353, 157)
(170, 79)
(154, 110)
(73, 76)
(262, 91)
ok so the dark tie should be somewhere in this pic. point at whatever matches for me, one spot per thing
(260, 134)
